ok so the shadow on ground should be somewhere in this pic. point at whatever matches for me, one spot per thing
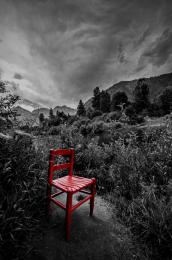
(91, 237)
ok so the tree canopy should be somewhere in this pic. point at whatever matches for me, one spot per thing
(118, 99)
(81, 109)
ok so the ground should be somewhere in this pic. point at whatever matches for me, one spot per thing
(91, 237)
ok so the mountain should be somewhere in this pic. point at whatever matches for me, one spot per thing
(25, 116)
(156, 86)
(45, 111)
(38, 111)
(27, 104)
(65, 109)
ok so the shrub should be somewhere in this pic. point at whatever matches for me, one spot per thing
(22, 194)
(96, 113)
(54, 131)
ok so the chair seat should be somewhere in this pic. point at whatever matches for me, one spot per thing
(71, 183)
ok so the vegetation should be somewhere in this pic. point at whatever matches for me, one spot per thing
(132, 164)
(81, 109)
(166, 101)
(141, 95)
(118, 99)
(22, 186)
(105, 102)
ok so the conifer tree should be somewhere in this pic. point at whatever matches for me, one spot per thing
(141, 95)
(119, 98)
(51, 115)
(104, 102)
(96, 99)
(81, 109)
(41, 118)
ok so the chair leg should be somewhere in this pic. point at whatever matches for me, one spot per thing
(68, 219)
(93, 189)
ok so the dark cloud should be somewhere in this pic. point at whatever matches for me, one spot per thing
(69, 47)
(158, 52)
(121, 54)
(18, 76)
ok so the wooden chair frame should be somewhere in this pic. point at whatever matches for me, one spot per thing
(69, 208)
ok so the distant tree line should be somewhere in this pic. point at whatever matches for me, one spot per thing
(53, 120)
(141, 105)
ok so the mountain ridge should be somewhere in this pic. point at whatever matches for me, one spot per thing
(156, 85)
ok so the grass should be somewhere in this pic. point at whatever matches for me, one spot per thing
(133, 172)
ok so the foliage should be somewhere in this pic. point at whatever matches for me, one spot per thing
(7, 102)
(96, 113)
(96, 99)
(22, 191)
(81, 109)
(41, 118)
(105, 102)
(135, 167)
(51, 115)
(141, 95)
(166, 100)
(118, 99)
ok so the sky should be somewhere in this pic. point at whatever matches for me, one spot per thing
(55, 52)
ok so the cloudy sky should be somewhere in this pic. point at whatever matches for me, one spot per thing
(57, 51)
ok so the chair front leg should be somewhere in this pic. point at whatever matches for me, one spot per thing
(68, 215)
(93, 191)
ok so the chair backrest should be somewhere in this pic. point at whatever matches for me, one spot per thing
(55, 167)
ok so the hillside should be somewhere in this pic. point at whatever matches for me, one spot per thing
(26, 115)
(27, 104)
(65, 109)
(45, 111)
(156, 85)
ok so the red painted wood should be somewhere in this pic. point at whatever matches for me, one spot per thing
(81, 202)
(61, 151)
(68, 215)
(62, 166)
(69, 184)
(58, 203)
(93, 191)
(56, 194)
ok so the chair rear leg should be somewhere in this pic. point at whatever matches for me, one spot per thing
(68, 219)
(93, 190)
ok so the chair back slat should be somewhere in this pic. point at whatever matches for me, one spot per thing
(61, 152)
(62, 166)
(55, 167)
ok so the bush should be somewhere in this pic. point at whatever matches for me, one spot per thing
(22, 194)
(54, 131)
(98, 127)
(115, 115)
(96, 113)
(136, 168)
(85, 130)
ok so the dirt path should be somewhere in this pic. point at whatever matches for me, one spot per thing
(91, 237)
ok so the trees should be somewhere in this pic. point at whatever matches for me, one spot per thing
(119, 99)
(41, 118)
(7, 102)
(96, 99)
(104, 102)
(51, 115)
(141, 95)
(165, 100)
(81, 109)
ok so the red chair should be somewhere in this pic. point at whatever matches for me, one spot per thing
(69, 184)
